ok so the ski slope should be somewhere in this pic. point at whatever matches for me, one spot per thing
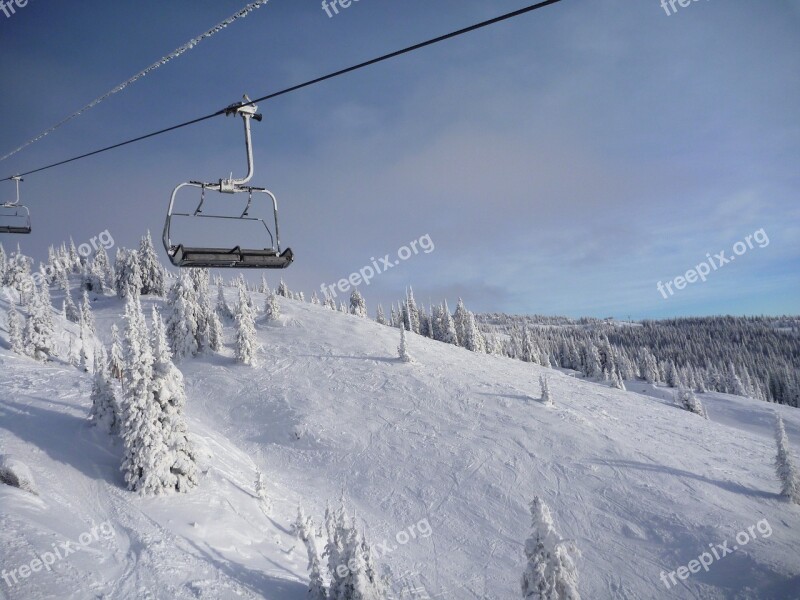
(455, 439)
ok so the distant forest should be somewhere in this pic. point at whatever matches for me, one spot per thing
(757, 357)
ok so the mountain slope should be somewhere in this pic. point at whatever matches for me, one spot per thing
(456, 440)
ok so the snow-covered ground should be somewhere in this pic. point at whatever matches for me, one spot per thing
(455, 440)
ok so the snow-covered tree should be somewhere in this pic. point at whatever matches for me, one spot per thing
(223, 310)
(690, 402)
(16, 328)
(38, 336)
(784, 464)
(529, 353)
(460, 319)
(402, 349)
(199, 279)
(105, 410)
(150, 269)
(551, 573)
(128, 274)
(245, 331)
(358, 305)
(272, 310)
(304, 529)
(672, 378)
(83, 360)
(547, 400)
(182, 323)
(170, 396)
(214, 331)
(473, 339)
(315, 299)
(734, 384)
(116, 363)
(380, 316)
(353, 575)
(146, 459)
(448, 327)
(283, 290)
(101, 271)
(86, 316)
(3, 265)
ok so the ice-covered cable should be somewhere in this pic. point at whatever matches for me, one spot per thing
(161, 62)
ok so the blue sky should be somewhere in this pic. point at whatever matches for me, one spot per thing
(562, 163)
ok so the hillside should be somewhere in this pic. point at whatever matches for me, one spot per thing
(457, 440)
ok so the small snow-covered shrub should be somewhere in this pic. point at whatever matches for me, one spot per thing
(16, 474)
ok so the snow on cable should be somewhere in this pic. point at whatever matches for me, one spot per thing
(161, 62)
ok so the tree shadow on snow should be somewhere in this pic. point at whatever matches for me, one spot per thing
(256, 581)
(64, 438)
(729, 486)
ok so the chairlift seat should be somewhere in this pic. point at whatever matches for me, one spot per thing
(226, 258)
(15, 229)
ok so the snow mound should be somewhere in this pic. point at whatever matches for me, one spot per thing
(16, 473)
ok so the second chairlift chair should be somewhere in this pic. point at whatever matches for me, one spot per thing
(14, 217)
(268, 257)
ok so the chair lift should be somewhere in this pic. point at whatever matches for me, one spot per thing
(14, 217)
(269, 257)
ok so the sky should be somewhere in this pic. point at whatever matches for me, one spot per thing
(564, 162)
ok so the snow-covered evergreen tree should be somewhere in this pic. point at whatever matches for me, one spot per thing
(283, 290)
(38, 335)
(102, 271)
(690, 402)
(547, 400)
(150, 269)
(460, 320)
(214, 331)
(182, 323)
(380, 316)
(411, 311)
(223, 310)
(245, 331)
(147, 458)
(353, 575)
(402, 349)
(169, 394)
(473, 339)
(128, 274)
(784, 464)
(448, 326)
(86, 316)
(551, 573)
(304, 529)
(358, 306)
(672, 376)
(116, 363)
(16, 328)
(105, 410)
(272, 310)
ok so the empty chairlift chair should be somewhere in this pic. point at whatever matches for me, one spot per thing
(269, 256)
(14, 217)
